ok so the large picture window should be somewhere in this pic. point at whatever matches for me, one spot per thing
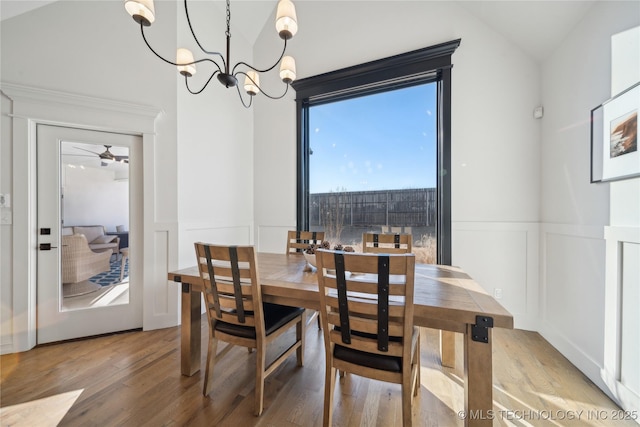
(374, 151)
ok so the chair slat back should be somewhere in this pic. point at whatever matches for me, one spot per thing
(366, 300)
(386, 243)
(298, 241)
(231, 285)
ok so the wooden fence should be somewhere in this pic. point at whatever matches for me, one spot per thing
(400, 208)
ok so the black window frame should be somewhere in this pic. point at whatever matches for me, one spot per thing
(427, 65)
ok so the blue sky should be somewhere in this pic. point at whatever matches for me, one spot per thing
(375, 142)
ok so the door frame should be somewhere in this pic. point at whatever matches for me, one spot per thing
(54, 322)
(33, 106)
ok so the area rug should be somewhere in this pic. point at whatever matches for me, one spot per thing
(97, 282)
(112, 276)
(80, 288)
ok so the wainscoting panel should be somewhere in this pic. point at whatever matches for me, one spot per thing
(621, 371)
(159, 271)
(630, 318)
(503, 259)
(6, 294)
(572, 294)
(211, 233)
(161, 297)
(273, 238)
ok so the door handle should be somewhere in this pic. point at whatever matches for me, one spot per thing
(47, 247)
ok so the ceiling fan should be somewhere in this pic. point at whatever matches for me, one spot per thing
(107, 156)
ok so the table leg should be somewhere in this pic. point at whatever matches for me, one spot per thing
(448, 349)
(190, 331)
(478, 381)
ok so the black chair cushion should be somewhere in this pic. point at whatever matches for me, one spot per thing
(371, 360)
(275, 316)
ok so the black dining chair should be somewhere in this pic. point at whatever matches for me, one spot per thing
(386, 243)
(366, 309)
(237, 315)
(298, 241)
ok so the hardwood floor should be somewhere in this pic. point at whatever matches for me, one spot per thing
(133, 379)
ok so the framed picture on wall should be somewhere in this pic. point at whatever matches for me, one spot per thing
(614, 137)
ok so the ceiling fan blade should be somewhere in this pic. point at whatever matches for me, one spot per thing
(88, 151)
(78, 155)
(105, 157)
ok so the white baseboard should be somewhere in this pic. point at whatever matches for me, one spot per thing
(6, 349)
(574, 354)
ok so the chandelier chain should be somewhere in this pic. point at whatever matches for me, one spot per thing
(228, 33)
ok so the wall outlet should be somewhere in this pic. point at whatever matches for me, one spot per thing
(538, 113)
(497, 293)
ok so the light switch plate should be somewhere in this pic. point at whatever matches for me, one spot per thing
(5, 200)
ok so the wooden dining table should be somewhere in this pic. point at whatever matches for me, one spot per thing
(446, 298)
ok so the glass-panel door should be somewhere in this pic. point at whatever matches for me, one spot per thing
(85, 283)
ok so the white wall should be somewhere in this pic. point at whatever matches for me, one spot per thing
(495, 164)
(92, 196)
(625, 195)
(621, 371)
(6, 231)
(92, 49)
(525, 218)
(215, 148)
(575, 79)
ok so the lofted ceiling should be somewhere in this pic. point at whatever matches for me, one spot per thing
(9, 9)
(248, 16)
(536, 26)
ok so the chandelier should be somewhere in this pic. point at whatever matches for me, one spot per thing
(143, 12)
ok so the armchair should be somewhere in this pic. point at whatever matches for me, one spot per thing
(79, 262)
(99, 240)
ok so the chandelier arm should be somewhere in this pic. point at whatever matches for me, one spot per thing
(173, 63)
(186, 11)
(186, 82)
(265, 70)
(261, 90)
(242, 99)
